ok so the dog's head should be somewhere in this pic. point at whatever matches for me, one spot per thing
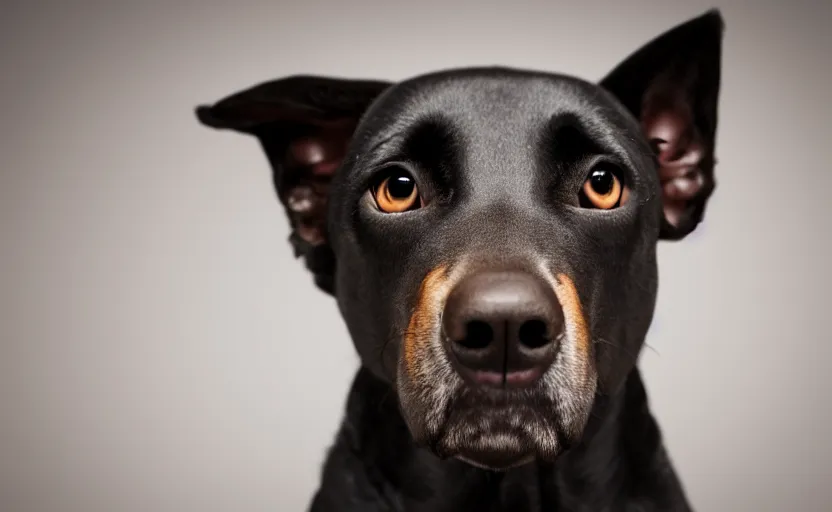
(490, 234)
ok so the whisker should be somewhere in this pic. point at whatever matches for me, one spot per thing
(634, 356)
(653, 349)
(394, 335)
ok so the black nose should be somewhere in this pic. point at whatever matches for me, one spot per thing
(502, 328)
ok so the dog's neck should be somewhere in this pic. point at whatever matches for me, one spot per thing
(374, 465)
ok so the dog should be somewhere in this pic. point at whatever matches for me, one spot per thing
(490, 237)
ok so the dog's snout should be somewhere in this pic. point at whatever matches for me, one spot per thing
(502, 328)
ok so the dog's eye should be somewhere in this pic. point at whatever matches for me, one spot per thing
(397, 192)
(602, 189)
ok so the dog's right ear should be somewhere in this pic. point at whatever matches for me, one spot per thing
(304, 124)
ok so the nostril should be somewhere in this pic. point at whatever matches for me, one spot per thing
(478, 334)
(532, 334)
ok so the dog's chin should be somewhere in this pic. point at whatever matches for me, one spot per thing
(499, 439)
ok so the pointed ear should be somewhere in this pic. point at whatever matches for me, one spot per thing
(671, 85)
(304, 124)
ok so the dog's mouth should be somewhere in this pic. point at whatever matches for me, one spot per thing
(497, 429)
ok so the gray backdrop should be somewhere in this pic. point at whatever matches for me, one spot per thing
(157, 335)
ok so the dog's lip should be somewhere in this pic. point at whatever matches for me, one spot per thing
(513, 378)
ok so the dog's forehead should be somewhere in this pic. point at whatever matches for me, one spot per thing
(485, 92)
(504, 99)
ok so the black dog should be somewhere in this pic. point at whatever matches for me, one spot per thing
(490, 237)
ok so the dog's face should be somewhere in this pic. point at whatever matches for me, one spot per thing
(490, 234)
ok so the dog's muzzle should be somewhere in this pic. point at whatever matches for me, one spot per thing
(496, 367)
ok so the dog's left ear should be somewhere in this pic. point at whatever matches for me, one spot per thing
(304, 124)
(671, 85)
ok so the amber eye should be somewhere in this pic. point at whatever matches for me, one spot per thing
(602, 189)
(397, 192)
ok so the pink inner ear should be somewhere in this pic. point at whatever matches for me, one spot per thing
(322, 157)
(315, 159)
(668, 124)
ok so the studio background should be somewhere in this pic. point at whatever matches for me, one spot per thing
(160, 348)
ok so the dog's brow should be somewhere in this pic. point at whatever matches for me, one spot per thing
(381, 143)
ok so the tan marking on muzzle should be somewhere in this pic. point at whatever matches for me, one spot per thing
(576, 324)
(424, 322)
